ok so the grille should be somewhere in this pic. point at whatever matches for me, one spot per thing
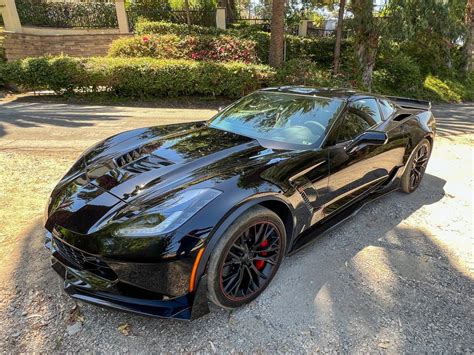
(81, 260)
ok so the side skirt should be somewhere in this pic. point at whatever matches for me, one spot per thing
(315, 232)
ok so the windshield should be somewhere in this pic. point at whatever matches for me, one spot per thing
(286, 118)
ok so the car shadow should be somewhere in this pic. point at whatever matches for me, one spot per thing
(371, 283)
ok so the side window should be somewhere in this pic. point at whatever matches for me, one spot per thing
(387, 108)
(352, 125)
(368, 108)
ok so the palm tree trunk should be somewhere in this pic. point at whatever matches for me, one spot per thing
(337, 48)
(366, 38)
(275, 57)
(186, 9)
(468, 46)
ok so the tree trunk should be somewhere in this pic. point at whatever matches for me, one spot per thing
(230, 9)
(275, 57)
(468, 46)
(186, 9)
(366, 39)
(337, 48)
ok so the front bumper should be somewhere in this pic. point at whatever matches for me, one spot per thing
(96, 289)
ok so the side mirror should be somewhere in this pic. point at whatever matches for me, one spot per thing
(367, 138)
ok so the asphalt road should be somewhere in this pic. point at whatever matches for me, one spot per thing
(397, 277)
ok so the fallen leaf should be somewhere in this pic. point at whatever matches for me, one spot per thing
(384, 344)
(124, 328)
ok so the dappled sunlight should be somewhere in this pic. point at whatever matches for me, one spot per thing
(371, 267)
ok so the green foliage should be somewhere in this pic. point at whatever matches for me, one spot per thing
(318, 49)
(468, 94)
(307, 72)
(149, 9)
(137, 77)
(160, 10)
(67, 14)
(429, 31)
(398, 74)
(165, 46)
(439, 90)
(146, 27)
(261, 39)
(217, 48)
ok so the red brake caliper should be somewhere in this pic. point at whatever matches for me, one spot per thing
(259, 264)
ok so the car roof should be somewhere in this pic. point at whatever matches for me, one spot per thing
(344, 94)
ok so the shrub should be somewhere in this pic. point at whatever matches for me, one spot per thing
(137, 77)
(440, 90)
(398, 75)
(180, 29)
(218, 48)
(318, 49)
(261, 39)
(306, 72)
(468, 93)
(166, 46)
(67, 14)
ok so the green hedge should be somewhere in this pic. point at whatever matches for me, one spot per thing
(219, 48)
(137, 77)
(318, 49)
(61, 14)
(179, 29)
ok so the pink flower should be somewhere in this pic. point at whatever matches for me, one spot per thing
(145, 39)
(194, 55)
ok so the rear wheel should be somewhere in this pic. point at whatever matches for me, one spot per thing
(416, 167)
(246, 258)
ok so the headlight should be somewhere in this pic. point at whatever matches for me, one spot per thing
(169, 215)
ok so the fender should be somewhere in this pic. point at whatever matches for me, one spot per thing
(228, 219)
(404, 167)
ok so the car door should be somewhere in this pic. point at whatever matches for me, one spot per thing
(355, 170)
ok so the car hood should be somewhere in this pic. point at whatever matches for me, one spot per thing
(139, 167)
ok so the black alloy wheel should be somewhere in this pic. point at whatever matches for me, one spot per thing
(246, 258)
(250, 261)
(416, 167)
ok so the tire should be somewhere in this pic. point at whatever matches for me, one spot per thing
(415, 168)
(258, 233)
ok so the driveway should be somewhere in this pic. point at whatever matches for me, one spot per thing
(397, 277)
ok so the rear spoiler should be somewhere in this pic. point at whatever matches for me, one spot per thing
(411, 103)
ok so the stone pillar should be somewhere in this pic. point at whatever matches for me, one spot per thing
(220, 18)
(303, 28)
(10, 16)
(121, 16)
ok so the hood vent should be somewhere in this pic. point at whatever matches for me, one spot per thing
(144, 164)
(129, 157)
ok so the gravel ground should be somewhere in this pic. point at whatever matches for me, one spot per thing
(397, 277)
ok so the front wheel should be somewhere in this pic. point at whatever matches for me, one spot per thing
(246, 258)
(416, 167)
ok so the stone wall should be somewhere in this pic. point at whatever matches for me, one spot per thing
(21, 45)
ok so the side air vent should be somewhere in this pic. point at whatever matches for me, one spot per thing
(309, 194)
(402, 117)
(146, 163)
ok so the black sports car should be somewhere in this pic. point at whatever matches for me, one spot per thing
(159, 220)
